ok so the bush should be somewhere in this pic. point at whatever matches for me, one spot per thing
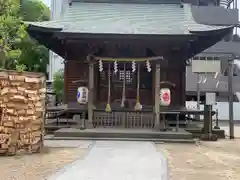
(58, 83)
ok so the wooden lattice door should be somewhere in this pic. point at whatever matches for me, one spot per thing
(131, 86)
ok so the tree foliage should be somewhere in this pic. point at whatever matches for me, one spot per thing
(12, 32)
(34, 10)
(16, 47)
(58, 83)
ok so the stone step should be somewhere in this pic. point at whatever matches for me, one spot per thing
(123, 133)
(123, 139)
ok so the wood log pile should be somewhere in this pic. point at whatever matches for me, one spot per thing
(22, 112)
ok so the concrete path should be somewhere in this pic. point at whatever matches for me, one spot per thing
(111, 160)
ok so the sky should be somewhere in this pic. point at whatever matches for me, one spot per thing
(47, 2)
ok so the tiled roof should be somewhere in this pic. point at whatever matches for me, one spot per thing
(126, 18)
(227, 48)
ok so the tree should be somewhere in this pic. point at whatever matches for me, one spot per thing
(16, 47)
(12, 32)
(34, 55)
(34, 10)
(58, 83)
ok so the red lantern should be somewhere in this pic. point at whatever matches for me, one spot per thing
(165, 97)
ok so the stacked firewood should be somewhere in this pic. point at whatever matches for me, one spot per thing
(22, 110)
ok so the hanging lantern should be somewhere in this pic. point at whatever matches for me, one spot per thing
(115, 66)
(82, 95)
(100, 65)
(133, 66)
(148, 66)
(165, 97)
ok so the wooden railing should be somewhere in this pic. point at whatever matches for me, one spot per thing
(123, 119)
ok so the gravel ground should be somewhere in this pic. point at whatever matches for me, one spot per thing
(205, 161)
(39, 166)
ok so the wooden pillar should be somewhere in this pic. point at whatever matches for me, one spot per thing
(66, 79)
(90, 94)
(157, 97)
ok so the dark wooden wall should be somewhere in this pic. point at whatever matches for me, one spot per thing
(76, 73)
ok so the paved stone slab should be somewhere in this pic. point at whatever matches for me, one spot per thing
(111, 160)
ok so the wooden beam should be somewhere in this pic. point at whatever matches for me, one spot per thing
(129, 59)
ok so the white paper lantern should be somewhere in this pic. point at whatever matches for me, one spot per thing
(82, 95)
(165, 97)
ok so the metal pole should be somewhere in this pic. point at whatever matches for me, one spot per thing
(198, 95)
(230, 95)
(236, 6)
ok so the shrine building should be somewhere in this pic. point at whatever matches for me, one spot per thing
(125, 52)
